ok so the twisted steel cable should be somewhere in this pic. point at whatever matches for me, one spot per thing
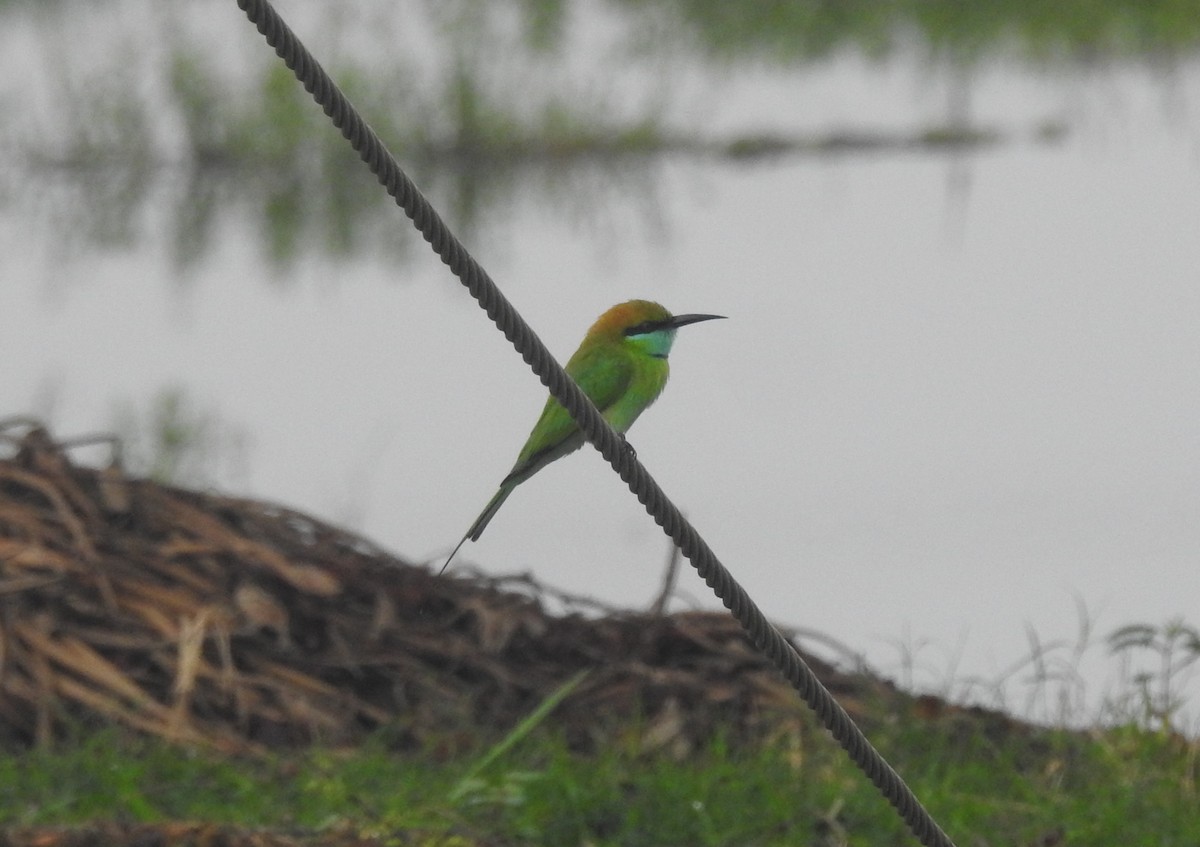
(765, 637)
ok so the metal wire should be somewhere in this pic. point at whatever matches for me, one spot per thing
(764, 636)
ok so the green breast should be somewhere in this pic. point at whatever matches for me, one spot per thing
(646, 383)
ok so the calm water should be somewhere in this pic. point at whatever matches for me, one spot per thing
(958, 394)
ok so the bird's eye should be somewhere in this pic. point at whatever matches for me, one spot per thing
(641, 329)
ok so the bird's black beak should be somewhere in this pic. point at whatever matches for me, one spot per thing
(683, 320)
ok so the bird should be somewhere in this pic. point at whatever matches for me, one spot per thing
(621, 365)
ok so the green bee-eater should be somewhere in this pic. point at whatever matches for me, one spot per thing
(622, 366)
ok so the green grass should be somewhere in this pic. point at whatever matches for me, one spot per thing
(1122, 786)
(986, 778)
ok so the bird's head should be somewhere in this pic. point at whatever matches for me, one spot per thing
(644, 324)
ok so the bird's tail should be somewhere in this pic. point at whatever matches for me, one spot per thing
(485, 517)
(489, 511)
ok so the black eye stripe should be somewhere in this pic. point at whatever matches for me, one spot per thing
(644, 327)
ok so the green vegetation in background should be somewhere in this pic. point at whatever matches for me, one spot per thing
(470, 126)
(264, 143)
(171, 440)
(804, 30)
(985, 784)
(1154, 694)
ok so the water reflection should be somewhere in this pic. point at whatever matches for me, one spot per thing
(788, 31)
(488, 104)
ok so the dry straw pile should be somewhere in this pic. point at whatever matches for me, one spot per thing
(239, 624)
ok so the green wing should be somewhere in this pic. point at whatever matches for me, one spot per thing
(604, 378)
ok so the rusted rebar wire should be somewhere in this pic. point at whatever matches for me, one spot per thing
(764, 636)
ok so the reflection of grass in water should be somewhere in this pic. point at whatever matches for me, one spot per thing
(482, 136)
(801, 30)
(267, 147)
(1084, 29)
(173, 441)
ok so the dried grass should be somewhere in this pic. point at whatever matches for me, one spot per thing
(239, 624)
